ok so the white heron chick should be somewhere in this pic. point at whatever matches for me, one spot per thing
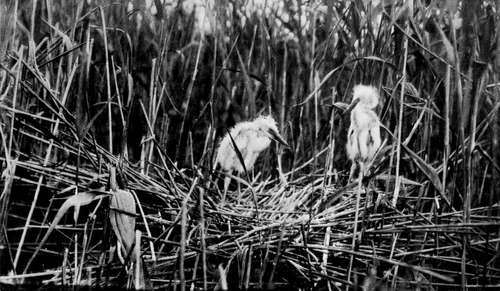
(251, 138)
(363, 139)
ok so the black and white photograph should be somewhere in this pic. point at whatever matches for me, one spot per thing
(250, 145)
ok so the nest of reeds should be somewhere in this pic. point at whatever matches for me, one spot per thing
(299, 235)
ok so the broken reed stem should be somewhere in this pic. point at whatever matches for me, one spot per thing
(139, 283)
(314, 83)
(151, 117)
(331, 145)
(146, 225)
(19, 65)
(118, 95)
(283, 122)
(203, 236)
(447, 127)
(32, 22)
(64, 264)
(326, 243)
(82, 258)
(75, 260)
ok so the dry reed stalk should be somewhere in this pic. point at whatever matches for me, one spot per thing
(189, 95)
(182, 251)
(400, 116)
(146, 225)
(108, 81)
(446, 144)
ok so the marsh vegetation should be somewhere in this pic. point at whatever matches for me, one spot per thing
(111, 113)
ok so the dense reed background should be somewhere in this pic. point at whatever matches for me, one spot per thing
(148, 87)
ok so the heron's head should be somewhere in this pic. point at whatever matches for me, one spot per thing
(366, 96)
(267, 124)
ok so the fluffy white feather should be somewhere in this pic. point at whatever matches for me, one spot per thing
(367, 95)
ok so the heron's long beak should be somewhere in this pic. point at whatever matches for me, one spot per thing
(277, 137)
(352, 105)
(341, 105)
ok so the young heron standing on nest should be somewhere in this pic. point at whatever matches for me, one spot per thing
(251, 138)
(363, 141)
(363, 138)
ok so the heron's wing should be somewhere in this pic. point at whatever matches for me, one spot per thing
(242, 140)
(352, 144)
(368, 141)
(375, 140)
(375, 136)
(364, 119)
(227, 157)
(221, 151)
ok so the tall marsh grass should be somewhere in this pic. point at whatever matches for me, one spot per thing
(148, 88)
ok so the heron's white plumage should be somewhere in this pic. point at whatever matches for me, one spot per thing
(363, 138)
(367, 95)
(251, 138)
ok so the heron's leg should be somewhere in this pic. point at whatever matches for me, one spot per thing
(351, 173)
(369, 196)
(362, 170)
(227, 181)
(119, 252)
